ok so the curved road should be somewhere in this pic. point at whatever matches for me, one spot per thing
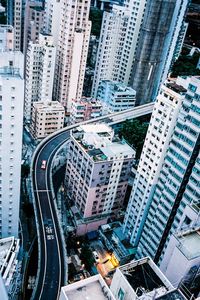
(51, 266)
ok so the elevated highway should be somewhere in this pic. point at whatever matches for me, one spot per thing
(52, 267)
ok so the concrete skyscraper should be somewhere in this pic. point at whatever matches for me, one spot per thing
(178, 180)
(33, 22)
(137, 46)
(14, 14)
(52, 15)
(157, 42)
(40, 64)
(113, 31)
(161, 126)
(11, 124)
(72, 50)
(118, 40)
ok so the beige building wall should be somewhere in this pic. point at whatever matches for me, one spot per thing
(47, 117)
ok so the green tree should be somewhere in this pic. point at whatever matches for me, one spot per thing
(87, 257)
(25, 170)
(134, 132)
(96, 18)
(186, 65)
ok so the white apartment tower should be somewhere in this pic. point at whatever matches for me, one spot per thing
(52, 15)
(11, 124)
(118, 42)
(161, 126)
(40, 64)
(177, 181)
(113, 32)
(72, 51)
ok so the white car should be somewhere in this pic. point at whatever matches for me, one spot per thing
(43, 165)
(95, 254)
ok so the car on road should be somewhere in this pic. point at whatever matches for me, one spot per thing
(96, 256)
(43, 165)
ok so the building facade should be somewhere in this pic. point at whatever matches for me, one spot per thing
(97, 171)
(52, 16)
(184, 250)
(178, 183)
(14, 15)
(40, 64)
(6, 38)
(9, 250)
(11, 124)
(131, 36)
(85, 109)
(33, 22)
(74, 33)
(47, 117)
(113, 31)
(115, 96)
(158, 136)
(142, 279)
(159, 35)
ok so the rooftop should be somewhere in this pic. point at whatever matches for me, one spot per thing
(189, 243)
(99, 142)
(176, 88)
(119, 86)
(48, 105)
(87, 100)
(173, 295)
(93, 288)
(116, 241)
(145, 278)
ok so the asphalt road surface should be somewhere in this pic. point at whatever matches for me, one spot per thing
(52, 262)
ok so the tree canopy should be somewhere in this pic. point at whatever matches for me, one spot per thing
(96, 18)
(87, 257)
(134, 132)
(186, 66)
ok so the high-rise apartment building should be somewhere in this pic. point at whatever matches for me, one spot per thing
(137, 44)
(109, 58)
(11, 124)
(40, 64)
(115, 96)
(72, 50)
(52, 16)
(178, 179)
(159, 34)
(14, 14)
(159, 133)
(97, 170)
(33, 22)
